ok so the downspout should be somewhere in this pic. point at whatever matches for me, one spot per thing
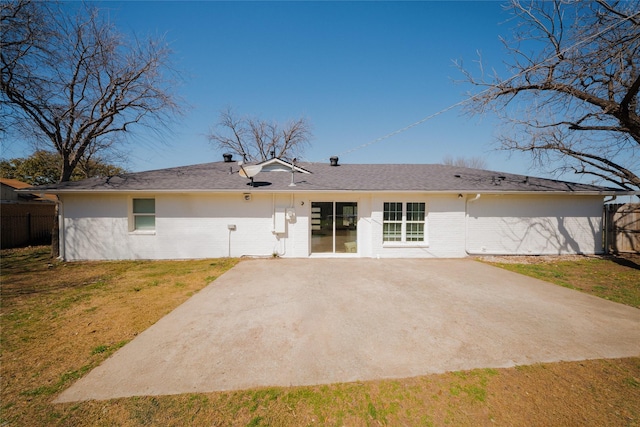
(63, 245)
(466, 222)
(605, 225)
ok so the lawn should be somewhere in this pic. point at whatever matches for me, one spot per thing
(59, 320)
(616, 278)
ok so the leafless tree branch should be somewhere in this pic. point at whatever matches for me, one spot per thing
(72, 82)
(75, 83)
(258, 140)
(575, 70)
(467, 162)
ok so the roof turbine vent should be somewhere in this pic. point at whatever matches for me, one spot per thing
(334, 160)
(228, 157)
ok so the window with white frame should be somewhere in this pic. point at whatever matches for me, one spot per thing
(403, 222)
(392, 222)
(144, 215)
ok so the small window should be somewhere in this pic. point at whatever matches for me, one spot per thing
(144, 214)
(404, 222)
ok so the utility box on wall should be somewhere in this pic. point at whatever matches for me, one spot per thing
(280, 221)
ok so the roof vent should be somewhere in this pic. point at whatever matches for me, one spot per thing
(334, 160)
(228, 157)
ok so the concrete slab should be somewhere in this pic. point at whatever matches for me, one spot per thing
(289, 322)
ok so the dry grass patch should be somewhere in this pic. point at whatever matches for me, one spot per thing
(593, 393)
(59, 320)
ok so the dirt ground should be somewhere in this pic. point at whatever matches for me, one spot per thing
(631, 260)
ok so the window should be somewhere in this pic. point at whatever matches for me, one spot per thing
(403, 222)
(392, 224)
(144, 215)
(415, 222)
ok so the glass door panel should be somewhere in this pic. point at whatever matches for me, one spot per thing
(346, 232)
(321, 227)
(334, 227)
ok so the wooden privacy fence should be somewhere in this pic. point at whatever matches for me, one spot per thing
(622, 228)
(25, 230)
(24, 224)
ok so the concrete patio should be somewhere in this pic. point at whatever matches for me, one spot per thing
(283, 322)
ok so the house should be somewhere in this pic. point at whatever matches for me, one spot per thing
(25, 218)
(317, 210)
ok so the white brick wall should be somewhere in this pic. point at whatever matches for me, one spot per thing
(187, 226)
(196, 225)
(535, 225)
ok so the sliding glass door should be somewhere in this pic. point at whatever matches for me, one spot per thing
(334, 227)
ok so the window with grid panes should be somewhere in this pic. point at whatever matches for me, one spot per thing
(392, 222)
(404, 222)
(415, 222)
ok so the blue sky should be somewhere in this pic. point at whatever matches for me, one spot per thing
(356, 70)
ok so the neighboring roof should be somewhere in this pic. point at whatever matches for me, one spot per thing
(19, 185)
(14, 183)
(321, 177)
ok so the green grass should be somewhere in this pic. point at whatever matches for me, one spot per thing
(615, 280)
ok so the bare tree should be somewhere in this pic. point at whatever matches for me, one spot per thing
(258, 140)
(571, 98)
(72, 83)
(465, 162)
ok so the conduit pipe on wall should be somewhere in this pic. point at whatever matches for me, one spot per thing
(273, 213)
(230, 227)
(284, 239)
(466, 223)
(280, 237)
(276, 252)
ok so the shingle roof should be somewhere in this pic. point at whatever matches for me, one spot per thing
(221, 176)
